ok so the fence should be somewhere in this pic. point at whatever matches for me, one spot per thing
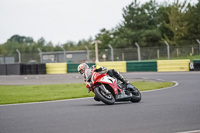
(125, 54)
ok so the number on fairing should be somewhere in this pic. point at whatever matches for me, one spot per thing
(108, 79)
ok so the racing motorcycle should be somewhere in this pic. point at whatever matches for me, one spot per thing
(109, 90)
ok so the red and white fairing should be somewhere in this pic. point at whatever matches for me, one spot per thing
(104, 79)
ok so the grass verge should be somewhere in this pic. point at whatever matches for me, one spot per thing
(182, 57)
(37, 93)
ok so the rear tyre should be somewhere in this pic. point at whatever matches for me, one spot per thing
(102, 96)
(136, 95)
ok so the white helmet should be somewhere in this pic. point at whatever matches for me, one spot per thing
(82, 67)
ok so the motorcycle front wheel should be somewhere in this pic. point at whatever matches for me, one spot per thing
(103, 96)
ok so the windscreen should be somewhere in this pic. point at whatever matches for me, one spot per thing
(88, 74)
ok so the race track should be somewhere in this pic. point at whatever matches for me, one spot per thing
(170, 110)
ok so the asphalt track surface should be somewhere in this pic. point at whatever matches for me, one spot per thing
(169, 110)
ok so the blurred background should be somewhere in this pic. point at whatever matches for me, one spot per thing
(50, 31)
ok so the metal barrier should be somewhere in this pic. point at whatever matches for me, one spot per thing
(42, 68)
(133, 66)
(56, 68)
(196, 64)
(72, 68)
(117, 65)
(3, 69)
(14, 69)
(121, 66)
(173, 65)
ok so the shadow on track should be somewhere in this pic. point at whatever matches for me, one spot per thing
(102, 104)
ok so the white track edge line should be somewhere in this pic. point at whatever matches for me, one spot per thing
(194, 131)
(47, 101)
(176, 84)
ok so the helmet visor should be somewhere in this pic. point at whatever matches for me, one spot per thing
(81, 71)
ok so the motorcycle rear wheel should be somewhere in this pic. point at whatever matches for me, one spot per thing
(136, 96)
(102, 96)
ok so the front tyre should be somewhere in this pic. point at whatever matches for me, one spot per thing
(103, 96)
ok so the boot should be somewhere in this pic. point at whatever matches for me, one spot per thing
(120, 77)
(125, 82)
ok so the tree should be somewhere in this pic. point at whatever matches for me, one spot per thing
(193, 18)
(41, 42)
(177, 24)
(58, 48)
(164, 18)
(69, 45)
(140, 25)
(48, 47)
(21, 39)
(151, 35)
(2, 49)
(105, 37)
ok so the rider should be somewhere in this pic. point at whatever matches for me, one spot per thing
(84, 69)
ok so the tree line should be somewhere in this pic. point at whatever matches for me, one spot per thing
(148, 24)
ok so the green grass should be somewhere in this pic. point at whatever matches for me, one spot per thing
(144, 85)
(185, 57)
(37, 93)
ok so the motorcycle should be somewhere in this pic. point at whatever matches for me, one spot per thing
(109, 90)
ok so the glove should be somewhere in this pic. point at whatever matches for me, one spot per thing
(88, 84)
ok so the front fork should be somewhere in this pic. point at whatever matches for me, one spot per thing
(104, 89)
